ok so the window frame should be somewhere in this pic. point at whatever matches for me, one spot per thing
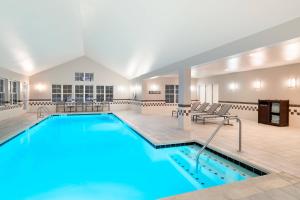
(67, 92)
(14, 92)
(100, 93)
(109, 93)
(171, 93)
(176, 93)
(79, 93)
(89, 77)
(2, 93)
(79, 76)
(88, 93)
(56, 92)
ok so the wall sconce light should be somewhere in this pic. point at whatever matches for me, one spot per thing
(154, 87)
(193, 88)
(121, 88)
(40, 87)
(292, 83)
(233, 86)
(257, 84)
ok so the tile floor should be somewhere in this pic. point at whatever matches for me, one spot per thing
(273, 149)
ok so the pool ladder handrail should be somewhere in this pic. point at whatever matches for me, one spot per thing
(41, 111)
(215, 133)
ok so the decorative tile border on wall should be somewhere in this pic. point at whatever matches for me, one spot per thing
(248, 106)
(251, 106)
(142, 103)
(149, 103)
(294, 111)
(10, 107)
(41, 103)
(48, 102)
(184, 110)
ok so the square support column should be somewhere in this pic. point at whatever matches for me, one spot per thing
(184, 100)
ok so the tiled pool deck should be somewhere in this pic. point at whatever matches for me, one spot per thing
(268, 148)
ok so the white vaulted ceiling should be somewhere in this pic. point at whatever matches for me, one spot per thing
(131, 37)
(39, 34)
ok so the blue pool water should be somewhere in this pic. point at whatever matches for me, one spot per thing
(99, 157)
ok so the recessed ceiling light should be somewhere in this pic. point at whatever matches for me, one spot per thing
(257, 58)
(232, 64)
(27, 65)
(292, 51)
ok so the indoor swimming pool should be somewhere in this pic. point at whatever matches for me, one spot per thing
(100, 157)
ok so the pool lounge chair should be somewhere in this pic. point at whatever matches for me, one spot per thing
(194, 107)
(222, 113)
(200, 109)
(212, 109)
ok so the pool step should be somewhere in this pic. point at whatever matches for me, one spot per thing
(208, 170)
(212, 169)
(216, 162)
(201, 178)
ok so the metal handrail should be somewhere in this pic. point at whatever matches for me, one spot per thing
(40, 111)
(214, 134)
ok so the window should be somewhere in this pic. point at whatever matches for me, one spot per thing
(79, 93)
(176, 92)
(89, 77)
(56, 93)
(14, 92)
(89, 92)
(79, 76)
(100, 93)
(2, 92)
(171, 93)
(67, 93)
(109, 93)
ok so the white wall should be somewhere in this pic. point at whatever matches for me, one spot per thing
(155, 103)
(160, 83)
(274, 86)
(65, 74)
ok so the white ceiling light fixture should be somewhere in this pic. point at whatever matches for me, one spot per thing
(232, 64)
(27, 65)
(257, 58)
(292, 51)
